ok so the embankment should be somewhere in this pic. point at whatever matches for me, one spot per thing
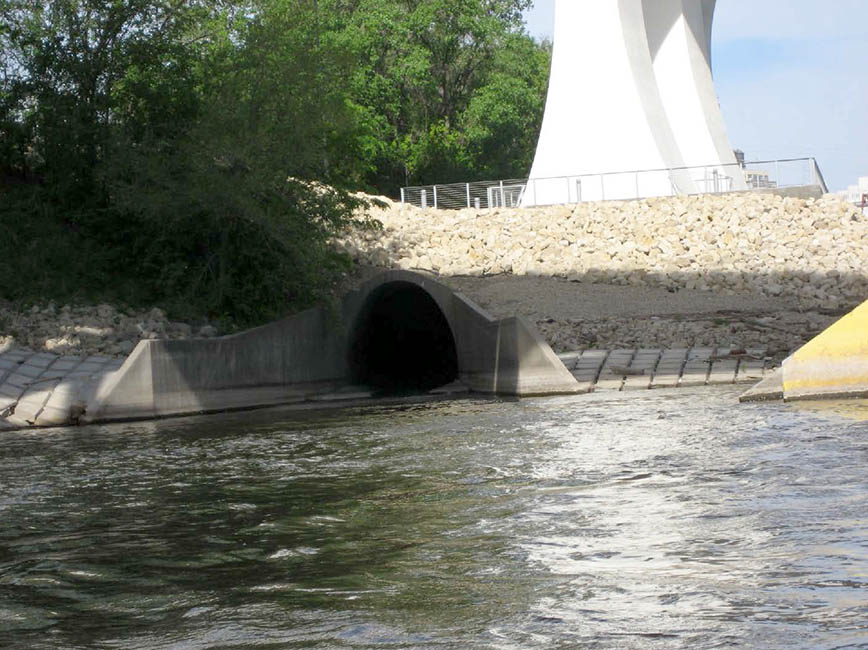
(812, 251)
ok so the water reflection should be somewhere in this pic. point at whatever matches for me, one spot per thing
(678, 520)
(851, 409)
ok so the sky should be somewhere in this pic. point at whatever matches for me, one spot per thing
(791, 77)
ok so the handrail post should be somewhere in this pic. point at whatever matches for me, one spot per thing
(715, 178)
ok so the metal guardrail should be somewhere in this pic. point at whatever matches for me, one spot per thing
(453, 196)
(758, 175)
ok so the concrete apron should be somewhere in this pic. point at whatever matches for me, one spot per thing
(832, 365)
(41, 389)
(309, 355)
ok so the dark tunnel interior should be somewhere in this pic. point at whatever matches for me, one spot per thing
(403, 342)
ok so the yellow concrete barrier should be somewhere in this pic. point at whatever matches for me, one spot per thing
(833, 364)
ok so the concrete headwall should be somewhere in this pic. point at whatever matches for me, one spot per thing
(494, 356)
(310, 353)
(811, 249)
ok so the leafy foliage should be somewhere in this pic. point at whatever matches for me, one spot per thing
(197, 153)
(430, 70)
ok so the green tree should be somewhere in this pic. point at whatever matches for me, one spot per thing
(62, 61)
(172, 149)
(198, 153)
(423, 65)
(274, 138)
(503, 119)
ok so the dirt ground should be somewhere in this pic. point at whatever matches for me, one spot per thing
(575, 315)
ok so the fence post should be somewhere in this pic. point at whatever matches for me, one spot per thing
(477, 203)
(468, 195)
(502, 198)
(636, 183)
(534, 193)
(424, 198)
(435, 197)
(402, 196)
(777, 173)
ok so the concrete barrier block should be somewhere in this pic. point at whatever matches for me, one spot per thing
(833, 364)
(127, 394)
(769, 389)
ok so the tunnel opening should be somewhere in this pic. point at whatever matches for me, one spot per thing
(402, 342)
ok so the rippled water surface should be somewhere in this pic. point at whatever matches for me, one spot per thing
(674, 519)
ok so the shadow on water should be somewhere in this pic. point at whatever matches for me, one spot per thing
(175, 524)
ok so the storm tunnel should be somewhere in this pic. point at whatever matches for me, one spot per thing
(402, 342)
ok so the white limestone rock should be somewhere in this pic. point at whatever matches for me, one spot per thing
(811, 250)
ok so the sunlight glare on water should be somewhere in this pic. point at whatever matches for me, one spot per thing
(672, 519)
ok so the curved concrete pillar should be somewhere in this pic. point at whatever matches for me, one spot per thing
(707, 7)
(681, 52)
(630, 91)
(602, 112)
(635, 17)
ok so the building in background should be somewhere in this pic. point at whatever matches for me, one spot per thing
(857, 194)
(758, 179)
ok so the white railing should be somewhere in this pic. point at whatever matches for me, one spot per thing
(760, 175)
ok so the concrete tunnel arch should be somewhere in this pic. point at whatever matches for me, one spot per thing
(399, 330)
(402, 341)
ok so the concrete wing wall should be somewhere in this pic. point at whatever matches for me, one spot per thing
(308, 354)
(275, 364)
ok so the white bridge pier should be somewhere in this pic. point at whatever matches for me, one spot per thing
(631, 90)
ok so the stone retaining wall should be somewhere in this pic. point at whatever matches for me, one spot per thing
(811, 250)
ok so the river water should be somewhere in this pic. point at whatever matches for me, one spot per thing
(671, 519)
